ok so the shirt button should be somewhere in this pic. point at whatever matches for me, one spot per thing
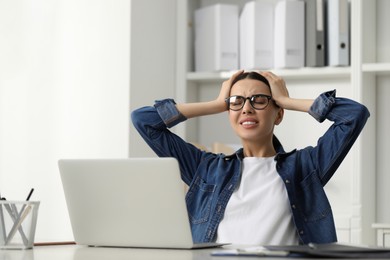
(301, 232)
(287, 181)
(293, 206)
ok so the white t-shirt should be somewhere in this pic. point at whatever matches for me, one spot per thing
(258, 213)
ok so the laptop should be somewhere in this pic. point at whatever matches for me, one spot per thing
(135, 202)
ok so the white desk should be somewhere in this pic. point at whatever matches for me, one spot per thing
(75, 252)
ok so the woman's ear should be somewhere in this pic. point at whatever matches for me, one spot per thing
(279, 116)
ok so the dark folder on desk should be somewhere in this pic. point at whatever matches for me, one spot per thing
(334, 250)
(331, 250)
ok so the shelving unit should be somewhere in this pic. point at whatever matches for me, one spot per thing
(383, 234)
(374, 90)
(302, 73)
(376, 68)
(361, 180)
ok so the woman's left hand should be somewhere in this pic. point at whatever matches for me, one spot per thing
(278, 87)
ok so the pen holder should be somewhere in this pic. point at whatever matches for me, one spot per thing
(18, 220)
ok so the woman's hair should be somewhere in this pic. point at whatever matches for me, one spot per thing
(251, 75)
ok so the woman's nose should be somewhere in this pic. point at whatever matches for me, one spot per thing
(247, 107)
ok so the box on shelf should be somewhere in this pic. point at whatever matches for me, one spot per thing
(216, 38)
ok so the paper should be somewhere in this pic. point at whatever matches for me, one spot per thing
(250, 251)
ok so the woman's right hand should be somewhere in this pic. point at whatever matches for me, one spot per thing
(225, 89)
(215, 106)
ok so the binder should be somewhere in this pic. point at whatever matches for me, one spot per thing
(315, 33)
(289, 34)
(256, 41)
(216, 38)
(338, 33)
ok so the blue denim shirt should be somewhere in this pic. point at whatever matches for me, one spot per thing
(212, 178)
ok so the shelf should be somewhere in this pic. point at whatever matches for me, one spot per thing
(381, 225)
(302, 73)
(378, 68)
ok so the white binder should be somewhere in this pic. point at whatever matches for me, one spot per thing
(289, 34)
(256, 36)
(216, 38)
(315, 33)
(338, 33)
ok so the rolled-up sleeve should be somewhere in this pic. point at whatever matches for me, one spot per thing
(168, 112)
(322, 105)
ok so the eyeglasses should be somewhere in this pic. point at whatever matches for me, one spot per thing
(258, 102)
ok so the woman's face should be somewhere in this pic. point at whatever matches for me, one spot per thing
(251, 124)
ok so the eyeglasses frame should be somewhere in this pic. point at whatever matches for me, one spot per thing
(251, 98)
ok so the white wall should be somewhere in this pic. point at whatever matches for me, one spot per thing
(64, 93)
(153, 59)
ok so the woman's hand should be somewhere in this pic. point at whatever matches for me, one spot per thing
(281, 96)
(215, 106)
(278, 88)
(225, 89)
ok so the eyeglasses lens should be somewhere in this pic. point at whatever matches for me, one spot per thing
(257, 102)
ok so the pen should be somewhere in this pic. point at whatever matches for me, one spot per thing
(29, 195)
(24, 206)
(24, 238)
(27, 199)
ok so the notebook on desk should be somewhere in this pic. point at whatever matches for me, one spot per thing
(136, 202)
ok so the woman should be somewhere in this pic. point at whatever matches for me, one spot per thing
(260, 194)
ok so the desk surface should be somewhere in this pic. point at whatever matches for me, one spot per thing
(75, 252)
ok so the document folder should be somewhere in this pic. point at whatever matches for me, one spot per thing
(256, 36)
(289, 34)
(334, 250)
(315, 33)
(216, 38)
(338, 33)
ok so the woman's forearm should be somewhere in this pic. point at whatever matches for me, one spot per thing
(281, 96)
(190, 110)
(296, 104)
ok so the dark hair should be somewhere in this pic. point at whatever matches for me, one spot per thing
(251, 75)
